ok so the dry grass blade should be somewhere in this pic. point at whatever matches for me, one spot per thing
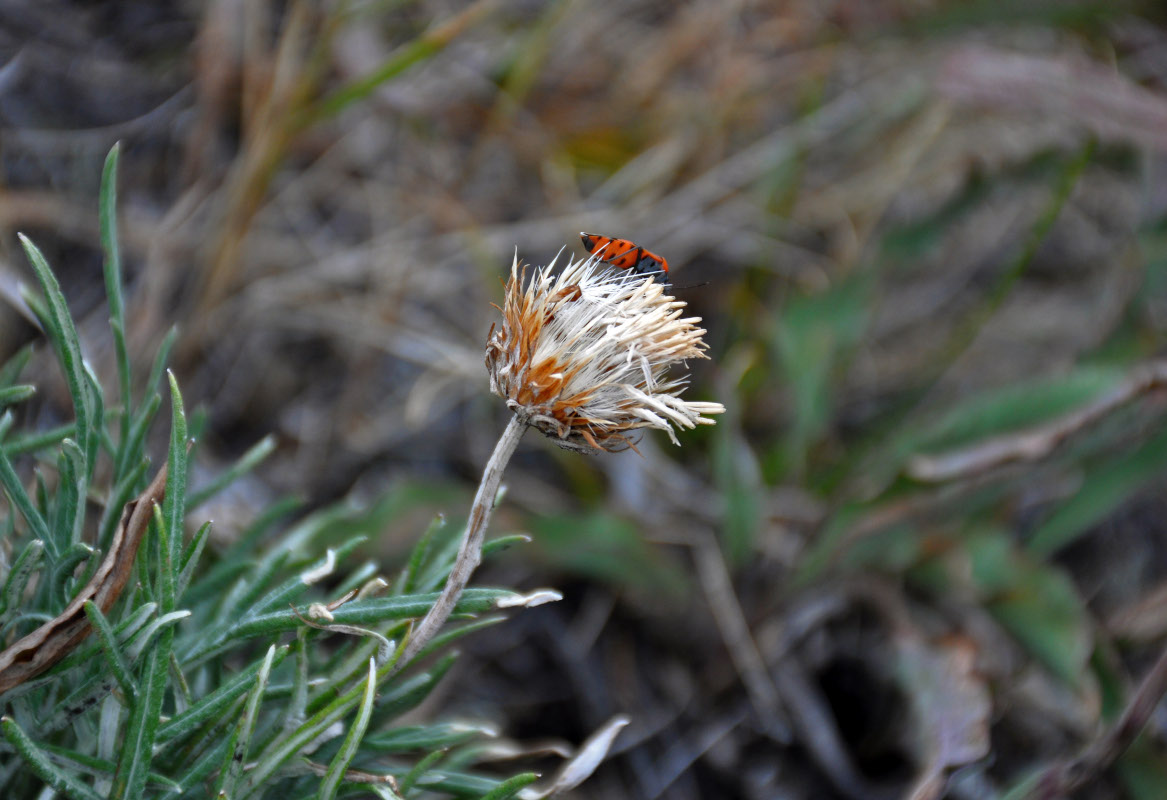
(1037, 443)
(1097, 97)
(1061, 780)
(735, 632)
(577, 770)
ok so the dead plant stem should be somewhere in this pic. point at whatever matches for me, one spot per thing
(470, 550)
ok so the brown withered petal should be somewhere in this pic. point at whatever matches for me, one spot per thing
(584, 355)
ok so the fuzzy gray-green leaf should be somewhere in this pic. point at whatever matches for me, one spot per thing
(352, 742)
(63, 334)
(42, 766)
(235, 758)
(210, 708)
(26, 563)
(111, 650)
(20, 499)
(10, 395)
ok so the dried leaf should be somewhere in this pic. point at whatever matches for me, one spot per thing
(535, 598)
(52, 641)
(951, 706)
(577, 770)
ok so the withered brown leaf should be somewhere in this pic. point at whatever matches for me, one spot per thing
(48, 644)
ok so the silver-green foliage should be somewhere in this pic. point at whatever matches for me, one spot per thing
(206, 677)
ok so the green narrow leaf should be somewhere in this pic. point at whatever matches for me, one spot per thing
(424, 737)
(419, 769)
(286, 592)
(44, 769)
(205, 764)
(137, 750)
(7, 534)
(100, 434)
(434, 575)
(475, 600)
(109, 727)
(400, 60)
(63, 334)
(1035, 602)
(144, 637)
(1104, 489)
(279, 751)
(126, 630)
(417, 558)
(234, 606)
(190, 558)
(460, 784)
(135, 448)
(261, 525)
(196, 423)
(161, 358)
(236, 559)
(410, 693)
(112, 269)
(237, 755)
(65, 566)
(443, 639)
(26, 563)
(257, 453)
(343, 671)
(10, 372)
(69, 510)
(30, 443)
(42, 498)
(283, 748)
(16, 394)
(19, 498)
(173, 504)
(511, 787)
(123, 492)
(183, 699)
(1142, 771)
(164, 580)
(100, 766)
(111, 650)
(352, 742)
(504, 543)
(299, 703)
(358, 578)
(140, 421)
(216, 703)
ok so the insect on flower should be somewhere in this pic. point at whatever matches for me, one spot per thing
(585, 354)
(626, 255)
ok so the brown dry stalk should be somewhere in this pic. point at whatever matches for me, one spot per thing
(52, 641)
(1062, 779)
(1036, 443)
(470, 551)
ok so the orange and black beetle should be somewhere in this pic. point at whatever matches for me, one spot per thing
(625, 255)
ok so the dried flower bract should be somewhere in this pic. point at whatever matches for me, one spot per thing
(584, 355)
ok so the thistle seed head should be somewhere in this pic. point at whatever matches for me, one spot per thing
(584, 355)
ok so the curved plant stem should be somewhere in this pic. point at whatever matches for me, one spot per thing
(470, 551)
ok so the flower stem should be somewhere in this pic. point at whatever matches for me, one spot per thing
(470, 551)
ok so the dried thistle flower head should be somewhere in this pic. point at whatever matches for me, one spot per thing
(584, 355)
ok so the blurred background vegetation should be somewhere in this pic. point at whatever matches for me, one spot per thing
(925, 551)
